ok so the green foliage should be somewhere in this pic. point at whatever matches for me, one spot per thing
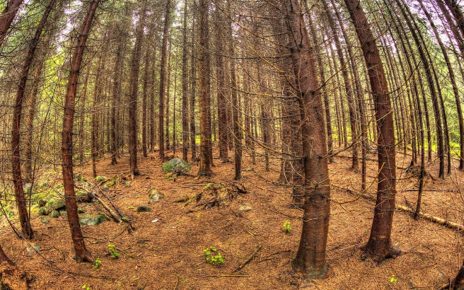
(287, 227)
(86, 287)
(100, 179)
(213, 256)
(113, 251)
(393, 279)
(97, 263)
(176, 166)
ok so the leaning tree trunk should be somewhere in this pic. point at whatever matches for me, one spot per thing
(205, 97)
(311, 255)
(379, 245)
(7, 17)
(82, 254)
(16, 128)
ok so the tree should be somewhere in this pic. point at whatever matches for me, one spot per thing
(7, 17)
(82, 254)
(311, 255)
(134, 87)
(205, 92)
(379, 246)
(185, 88)
(163, 76)
(222, 118)
(16, 130)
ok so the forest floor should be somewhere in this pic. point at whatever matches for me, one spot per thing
(166, 249)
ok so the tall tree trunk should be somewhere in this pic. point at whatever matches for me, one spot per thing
(82, 254)
(221, 87)
(237, 124)
(24, 217)
(205, 97)
(163, 76)
(134, 80)
(7, 17)
(348, 89)
(117, 77)
(311, 255)
(431, 84)
(379, 245)
(185, 83)
(193, 77)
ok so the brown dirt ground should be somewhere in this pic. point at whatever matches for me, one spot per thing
(169, 254)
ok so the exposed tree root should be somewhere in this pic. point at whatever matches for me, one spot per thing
(215, 195)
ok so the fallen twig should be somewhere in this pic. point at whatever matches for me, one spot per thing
(248, 260)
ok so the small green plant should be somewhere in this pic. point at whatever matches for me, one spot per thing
(287, 227)
(113, 251)
(100, 179)
(86, 287)
(97, 264)
(213, 256)
(393, 279)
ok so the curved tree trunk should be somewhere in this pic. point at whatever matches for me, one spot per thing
(16, 128)
(82, 254)
(379, 245)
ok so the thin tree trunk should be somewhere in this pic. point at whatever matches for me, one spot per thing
(223, 126)
(82, 254)
(205, 97)
(237, 124)
(185, 83)
(163, 75)
(134, 79)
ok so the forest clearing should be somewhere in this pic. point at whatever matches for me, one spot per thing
(220, 144)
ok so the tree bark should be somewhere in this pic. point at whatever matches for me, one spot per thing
(163, 76)
(82, 254)
(185, 88)
(205, 97)
(24, 217)
(7, 17)
(379, 246)
(134, 79)
(311, 255)
(237, 124)
(221, 86)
